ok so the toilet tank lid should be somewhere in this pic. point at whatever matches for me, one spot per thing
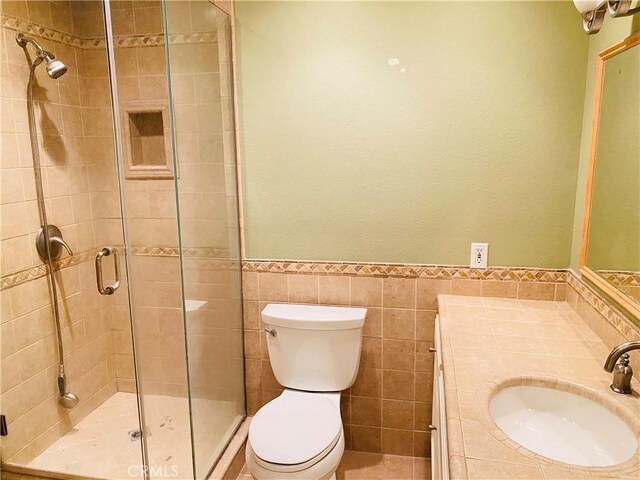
(313, 317)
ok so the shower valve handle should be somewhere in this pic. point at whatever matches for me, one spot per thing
(56, 243)
(60, 241)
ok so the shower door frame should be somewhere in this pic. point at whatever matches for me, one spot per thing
(119, 154)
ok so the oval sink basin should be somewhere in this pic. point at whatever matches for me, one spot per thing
(563, 426)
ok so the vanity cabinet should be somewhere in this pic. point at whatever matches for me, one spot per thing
(439, 451)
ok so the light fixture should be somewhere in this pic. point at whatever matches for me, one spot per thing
(593, 12)
(618, 8)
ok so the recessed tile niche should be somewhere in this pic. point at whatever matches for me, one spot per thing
(147, 144)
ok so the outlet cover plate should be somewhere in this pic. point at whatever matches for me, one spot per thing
(479, 255)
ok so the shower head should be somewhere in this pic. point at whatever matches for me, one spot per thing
(55, 68)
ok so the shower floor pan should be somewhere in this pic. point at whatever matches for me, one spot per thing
(101, 445)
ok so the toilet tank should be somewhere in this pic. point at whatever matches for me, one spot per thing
(315, 348)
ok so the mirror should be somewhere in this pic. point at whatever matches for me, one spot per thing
(610, 254)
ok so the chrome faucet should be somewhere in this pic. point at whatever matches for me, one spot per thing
(623, 373)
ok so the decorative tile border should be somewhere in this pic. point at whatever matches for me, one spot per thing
(406, 270)
(164, 251)
(136, 41)
(125, 41)
(155, 251)
(206, 258)
(621, 278)
(21, 25)
(610, 313)
(23, 276)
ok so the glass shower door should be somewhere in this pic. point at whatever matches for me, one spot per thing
(74, 134)
(199, 59)
(139, 76)
(172, 69)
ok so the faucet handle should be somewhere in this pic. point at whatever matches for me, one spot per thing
(622, 375)
(56, 242)
(60, 241)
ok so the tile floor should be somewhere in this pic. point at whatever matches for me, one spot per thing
(374, 466)
(100, 446)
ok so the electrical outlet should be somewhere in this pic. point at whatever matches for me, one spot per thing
(479, 255)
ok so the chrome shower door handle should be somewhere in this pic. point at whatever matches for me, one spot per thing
(105, 252)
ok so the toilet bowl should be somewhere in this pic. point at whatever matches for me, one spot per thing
(298, 435)
(315, 353)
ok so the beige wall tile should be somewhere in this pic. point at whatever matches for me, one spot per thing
(397, 442)
(423, 386)
(428, 291)
(425, 325)
(499, 289)
(252, 344)
(399, 293)
(561, 292)
(400, 324)
(422, 448)
(303, 288)
(536, 291)
(366, 291)
(397, 385)
(366, 439)
(366, 411)
(373, 323)
(398, 354)
(422, 416)
(397, 414)
(371, 353)
(273, 287)
(466, 287)
(333, 290)
(368, 383)
(251, 314)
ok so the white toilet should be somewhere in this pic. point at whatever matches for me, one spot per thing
(315, 353)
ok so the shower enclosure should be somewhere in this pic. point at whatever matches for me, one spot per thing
(134, 145)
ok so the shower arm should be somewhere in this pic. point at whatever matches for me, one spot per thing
(22, 40)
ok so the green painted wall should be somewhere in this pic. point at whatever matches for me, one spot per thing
(613, 31)
(402, 132)
(614, 228)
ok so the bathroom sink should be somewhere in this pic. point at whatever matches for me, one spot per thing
(563, 426)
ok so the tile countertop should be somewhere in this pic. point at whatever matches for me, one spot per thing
(491, 343)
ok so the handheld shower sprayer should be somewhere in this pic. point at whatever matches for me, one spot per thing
(45, 243)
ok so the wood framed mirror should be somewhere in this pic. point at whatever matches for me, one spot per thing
(610, 249)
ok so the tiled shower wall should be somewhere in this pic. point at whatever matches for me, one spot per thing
(388, 409)
(82, 198)
(76, 146)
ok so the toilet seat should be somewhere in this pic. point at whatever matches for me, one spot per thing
(295, 431)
